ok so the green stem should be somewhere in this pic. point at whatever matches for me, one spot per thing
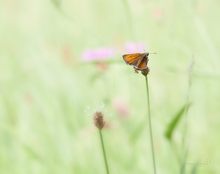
(103, 152)
(150, 127)
(185, 126)
(175, 150)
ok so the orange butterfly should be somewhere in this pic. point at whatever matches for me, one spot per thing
(137, 60)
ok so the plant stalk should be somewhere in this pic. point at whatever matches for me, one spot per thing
(150, 127)
(104, 152)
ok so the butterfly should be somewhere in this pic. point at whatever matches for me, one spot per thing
(137, 60)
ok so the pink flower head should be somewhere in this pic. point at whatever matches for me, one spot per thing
(131, 47)
(99, 54)
(121, 107)
(28, 98)
(158, 14)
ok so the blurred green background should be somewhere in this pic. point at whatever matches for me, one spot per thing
(48, 92)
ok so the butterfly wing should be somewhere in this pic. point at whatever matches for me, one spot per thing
(132, 59)
(142, 65)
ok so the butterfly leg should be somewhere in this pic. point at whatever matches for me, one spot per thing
(135, 70)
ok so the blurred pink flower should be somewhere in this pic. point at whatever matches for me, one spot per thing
(99, 54)
(28, 98)
(121, 107)
(158, 13)
(131, 47)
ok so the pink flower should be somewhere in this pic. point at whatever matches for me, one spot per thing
(158, 14)
(121, 107)
(131, 47)
(99, 54)
(28, 98)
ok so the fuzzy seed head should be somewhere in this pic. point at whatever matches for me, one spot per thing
(98, 120)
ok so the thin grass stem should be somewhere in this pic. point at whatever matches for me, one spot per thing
(104, 152)
(150, 127)
(186, 126)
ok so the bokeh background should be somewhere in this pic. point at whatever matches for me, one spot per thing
(60, 61)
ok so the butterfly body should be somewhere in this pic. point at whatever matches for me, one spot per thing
(137, 60)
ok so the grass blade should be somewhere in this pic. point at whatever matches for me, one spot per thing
(194, 169)
(174, 122)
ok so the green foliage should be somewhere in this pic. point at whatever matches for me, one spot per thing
(175, 121)
(48, 93)
(57, 3)
(194, 169)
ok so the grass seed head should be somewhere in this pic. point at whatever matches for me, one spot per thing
(98, 120)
